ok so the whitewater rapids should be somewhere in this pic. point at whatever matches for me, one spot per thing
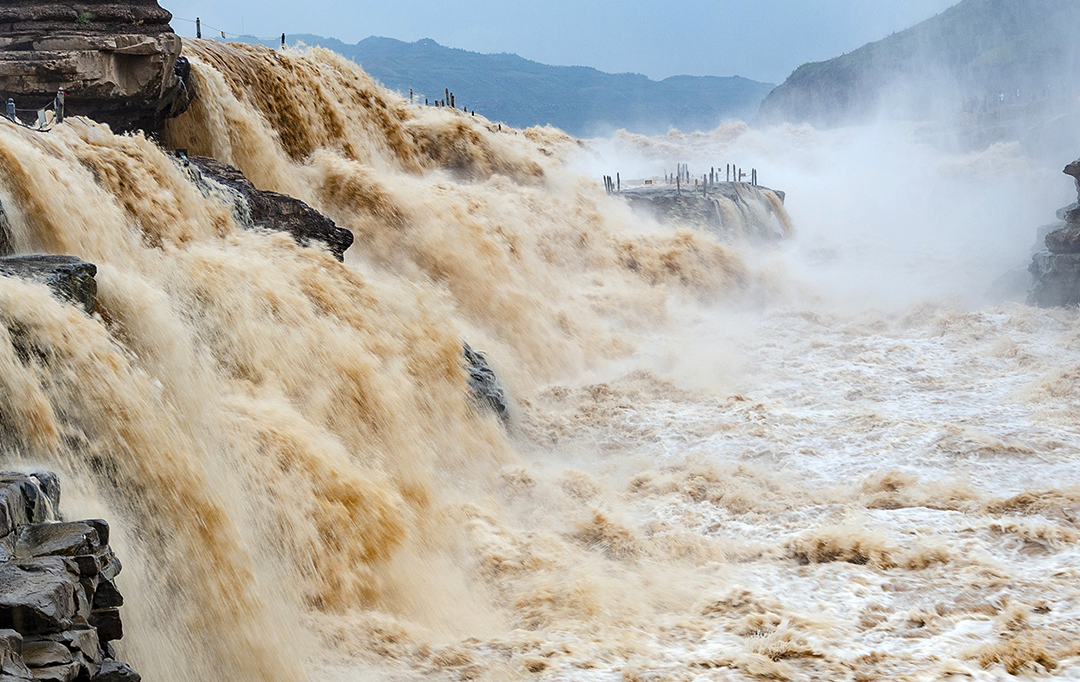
(815, 461)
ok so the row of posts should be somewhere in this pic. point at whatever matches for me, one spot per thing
(198, 31)
(681, 176)
(732, 173)
(448, 100)
(613, 187)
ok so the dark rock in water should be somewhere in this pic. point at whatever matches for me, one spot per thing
(112, 671)
(487, 390)
(116, 60)
(69, 277)
(278, 212)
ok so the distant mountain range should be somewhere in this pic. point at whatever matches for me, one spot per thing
(976, 55)
(580, 100)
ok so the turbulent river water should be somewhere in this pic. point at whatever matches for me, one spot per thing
(853, 455)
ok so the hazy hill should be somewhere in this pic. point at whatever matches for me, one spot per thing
(577, 99)
(975, 49)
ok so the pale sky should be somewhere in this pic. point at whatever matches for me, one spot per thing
(764, 39)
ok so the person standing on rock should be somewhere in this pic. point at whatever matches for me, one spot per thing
(11, 108)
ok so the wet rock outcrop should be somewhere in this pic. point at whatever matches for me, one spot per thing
(271, 210)
(117, 60)
(730, 210)
(1056, 268)
(69, 278)
(487, 390)
(59, 605)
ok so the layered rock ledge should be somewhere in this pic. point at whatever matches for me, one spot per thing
(117, 61)
(1057, 267)
(59, 605)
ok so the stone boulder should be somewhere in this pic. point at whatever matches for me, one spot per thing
(115, 59)
(69, 278)
(271, 210)
(487, 390)
(59, 605)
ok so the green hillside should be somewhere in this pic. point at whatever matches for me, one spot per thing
(577, 99)
(974, 50)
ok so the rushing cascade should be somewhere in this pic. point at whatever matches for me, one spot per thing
(711, 464)
(286, 438)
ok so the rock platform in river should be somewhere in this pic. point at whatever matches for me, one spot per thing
(731, 210)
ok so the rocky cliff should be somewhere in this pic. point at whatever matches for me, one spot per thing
(59, 605)
(1057, 267)
(117, 61)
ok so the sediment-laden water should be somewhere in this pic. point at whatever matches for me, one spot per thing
(849, 456)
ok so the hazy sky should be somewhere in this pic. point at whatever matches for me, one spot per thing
(763, 39)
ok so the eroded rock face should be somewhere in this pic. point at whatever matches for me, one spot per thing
(1057, 268)
(69, 277)
(274, 211)
(117, 61)
(59, 605)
